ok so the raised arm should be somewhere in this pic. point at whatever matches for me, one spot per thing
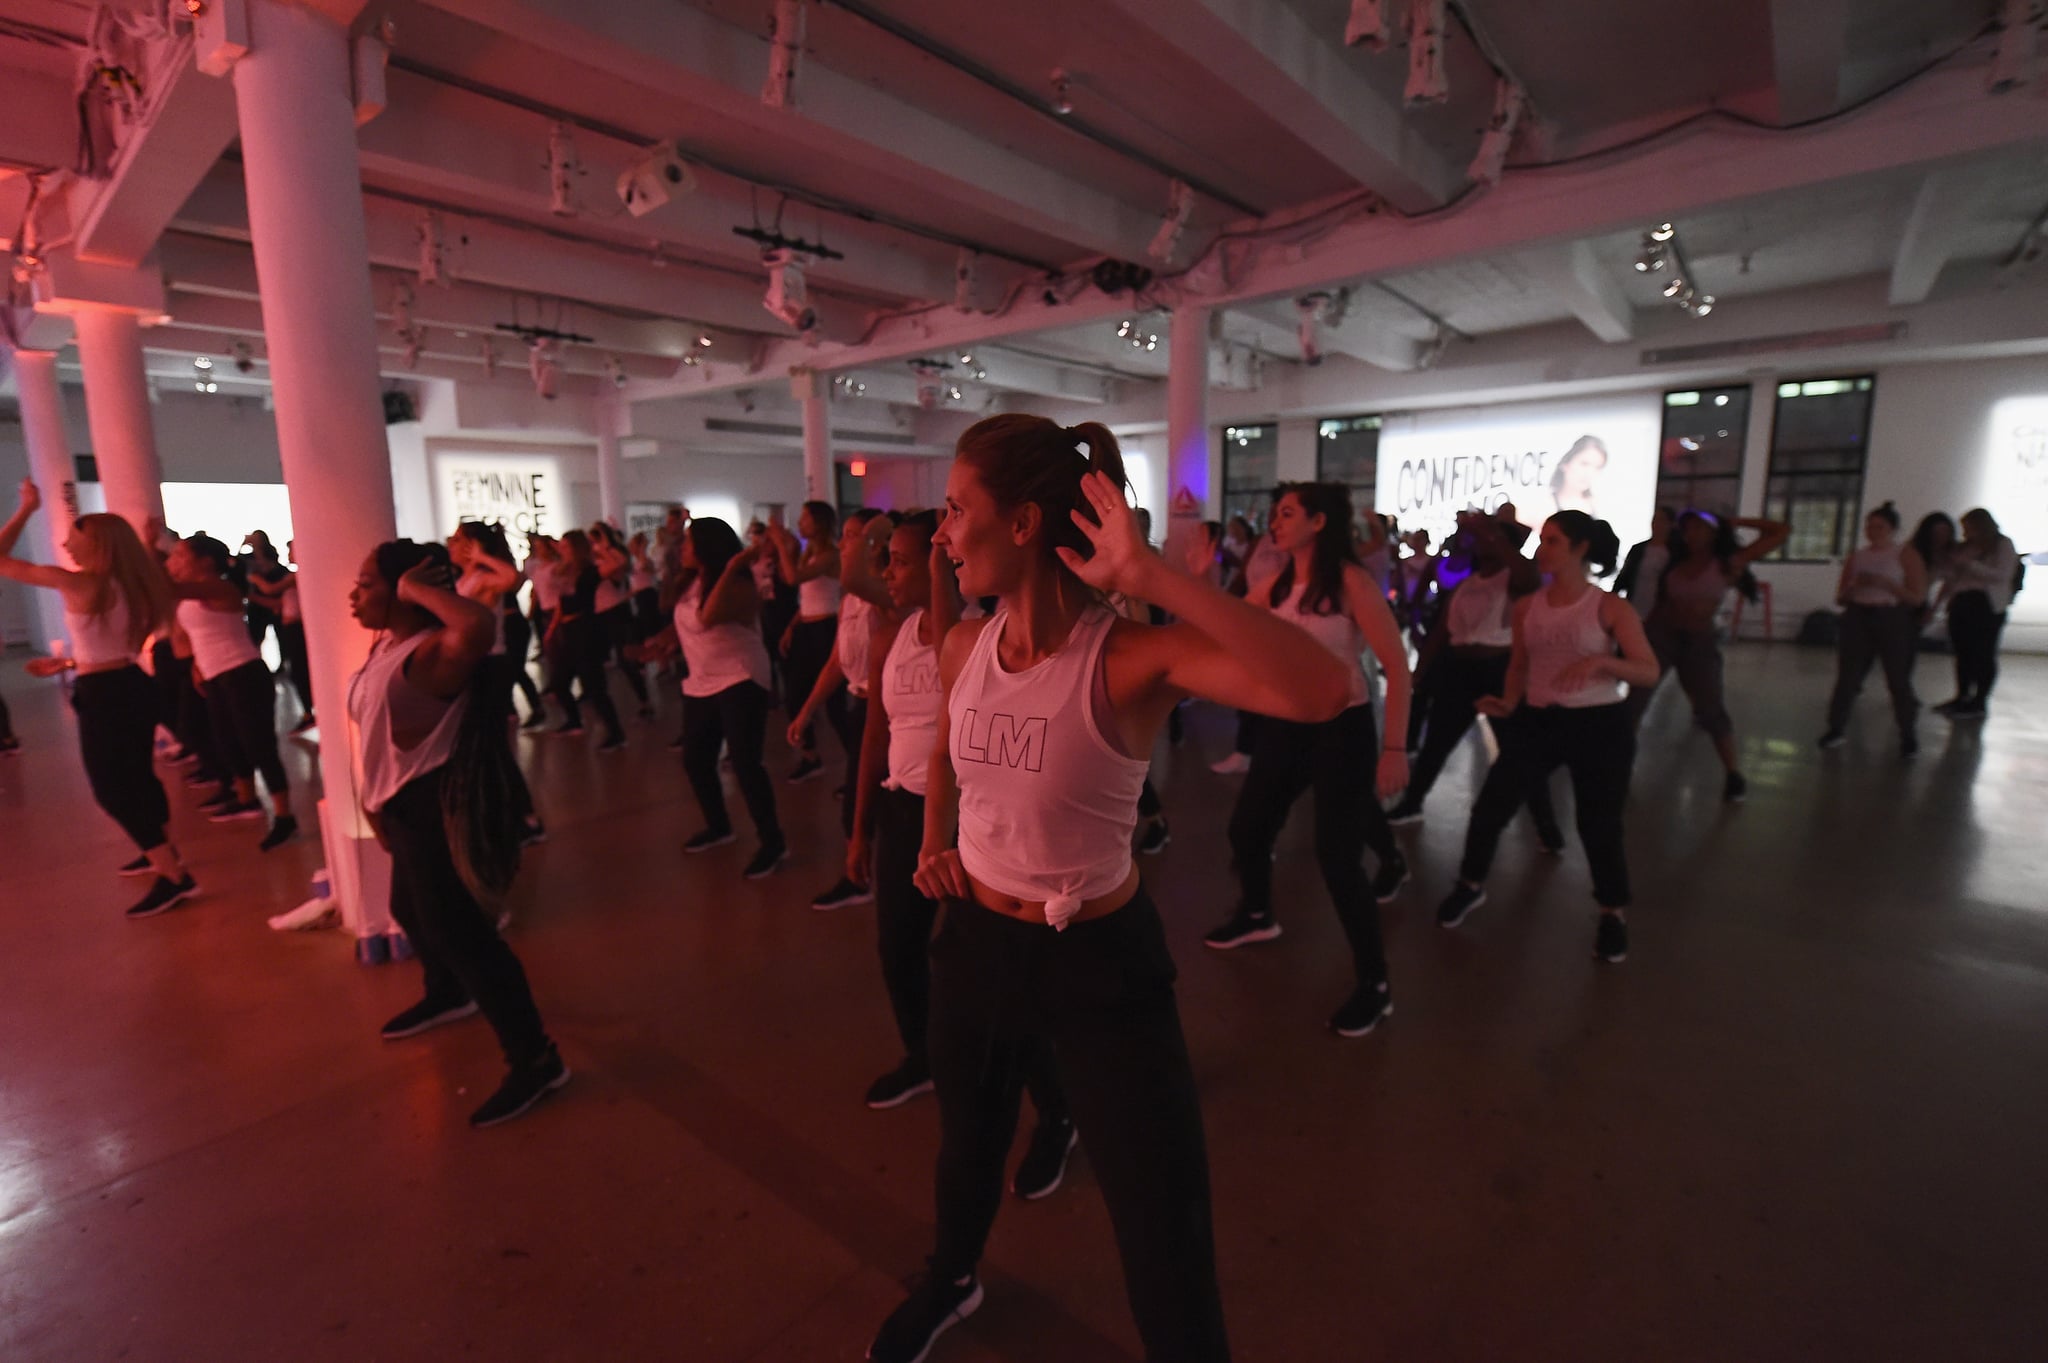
(733, 599)
(1770, 535)
(445, 663)
(21, 570)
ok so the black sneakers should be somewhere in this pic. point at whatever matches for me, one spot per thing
(281, 832)
(1393, 874)
(900, 1085)
(166, 894)
(1243, 929)
(138, 867)
(1833, 738)
(1610, 940)
(805, 770)
(1735, 790)
(235, 811)
(1045, 1160)
(708, 839)
(767, 861)
(933, 1307)
(1458, 905)
(568, 731)
(524, 1086)
(1157, 836)
(843, 895)
(616, 743)
(1363, 1010)
(424, 1016)
(1407, 811)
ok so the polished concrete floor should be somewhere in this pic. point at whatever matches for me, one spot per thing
(1804, 1121)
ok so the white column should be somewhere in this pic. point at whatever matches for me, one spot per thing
(117, 410)
(611, 488)
(49, 464)
(1187, 427)
(293, 101)
(811, 391)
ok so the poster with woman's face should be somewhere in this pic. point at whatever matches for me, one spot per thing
(1594, 454)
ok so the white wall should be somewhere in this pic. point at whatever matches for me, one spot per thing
(723, 485)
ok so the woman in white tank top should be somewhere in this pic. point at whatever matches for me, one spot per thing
(1048, 935)
(428, 770)
(806, 645)
(1324, 591)
(114, 600)
(1881, 590)
(1575, 646)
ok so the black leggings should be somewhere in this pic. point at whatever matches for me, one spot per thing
(1973, 629)
(621, 631)
(1597, 744)
(291, 643)
(1695, 655)
(738, 718)
(582, 648)
(457, 943)
(849, 716)
(498, 668)
(518, 644)
(810, 648)
(1336, 759)
(1101, 994)
(242, 705)
(116, 732)
(1457, 682)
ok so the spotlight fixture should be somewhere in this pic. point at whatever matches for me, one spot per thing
(1675, 287)
(787, 297)
(244, 356)
(1062, 92)
(967, 358)
(542, 364)
(1703, 305)
(563, 169)
(704, 340)
(785, 52)
(1123, 329)
(1663, 251)
(201, 363)
(1662, 232)
(654, 179)
(953, 393)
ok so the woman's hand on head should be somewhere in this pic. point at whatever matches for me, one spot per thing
(1119, 561)
(426, 574)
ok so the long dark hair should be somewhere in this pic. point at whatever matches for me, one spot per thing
(825, 518)
(715, 545)
(478, 809)
(1923, 536)
(1331, 551)
(1022, 458)
(1724, 548)
(489, 537)
(1603, 546)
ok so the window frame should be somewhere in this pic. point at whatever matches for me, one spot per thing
(1850, 511)
(1364, 499)
(1694, 480)
(1268, 437)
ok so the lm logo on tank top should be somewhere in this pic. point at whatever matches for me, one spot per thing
(1002, 740)
(916, 679)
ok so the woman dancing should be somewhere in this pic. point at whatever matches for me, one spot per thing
(1881, 592)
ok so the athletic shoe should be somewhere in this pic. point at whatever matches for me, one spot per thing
(1610, 941)
(533, 834)
(616, 743)
(305, 722)
(234, 811)
(1363, 1010)
(1458, 905)
(844, 894)
(1909, 746)
(1237, 764)
(708, 839)
(1157, 836)
(1408, 810)
(1735, 790)
(138, 867)
(900, 1085)
(1243, 929)
(281, 832)
(932, 1308)
(164, 895)
(805, 770)
(425, 1016)
(524, 1086)
(1045, 1159)
(567, 731)
(1393, 874)
(9, 746)
(767, 861)
(1833, 738)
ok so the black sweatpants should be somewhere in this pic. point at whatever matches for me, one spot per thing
(241, 703)
(518, 644)
(1337, 759)
(460, 952)
(582, 649)
(499, 669)
(810, 648)
(1597, 744)
(291, 643)
(116, 736)
(1886, 634)
(1459, 681)
(849, 716)
(622, 631)
(1973, 628)
(738, 718)
(1101, 993)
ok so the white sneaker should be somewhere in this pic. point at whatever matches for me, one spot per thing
(1237, 764)
(314, 913)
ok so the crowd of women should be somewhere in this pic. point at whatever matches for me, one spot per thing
(996, 673)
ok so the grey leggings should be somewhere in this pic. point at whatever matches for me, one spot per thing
(1695, 655)
(1883, 634)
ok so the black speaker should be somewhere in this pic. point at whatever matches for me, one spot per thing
(398, 407)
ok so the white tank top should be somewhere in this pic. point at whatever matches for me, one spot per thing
(220, 639)
(1480, 614)
(856, 620)
(1558, 636)
(817, 598)
(100, 639)
(1887, 564)
(719, 656)
(547, 585)
(373, 694)
(1336, 631)
(912, 695)
(1047, 803)
(472, 586)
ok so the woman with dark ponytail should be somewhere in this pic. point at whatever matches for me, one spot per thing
(438, 785)
(1574, 647)
(1051, 709)
(484, 559)
(1707, 562)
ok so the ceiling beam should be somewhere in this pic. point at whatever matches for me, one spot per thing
(1278, 327)
(1809, 48)
(190, 123)
(1575, 276)
(1941, 215)
(1269, 55)
(688, 53)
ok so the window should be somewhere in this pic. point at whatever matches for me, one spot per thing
(1348, 452)
(1699, 459)
(1251, 467)
(1818, 444)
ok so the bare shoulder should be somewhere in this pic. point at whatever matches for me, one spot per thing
(959, 643)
